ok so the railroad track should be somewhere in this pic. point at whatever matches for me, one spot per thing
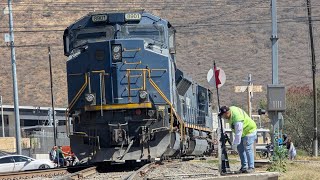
(140, 173)
(67, 172)
(46, 173)
(80, 174)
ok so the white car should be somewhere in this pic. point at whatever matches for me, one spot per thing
(9, 163)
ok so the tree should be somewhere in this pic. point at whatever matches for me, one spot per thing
(298, 116)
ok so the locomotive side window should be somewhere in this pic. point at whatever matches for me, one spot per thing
(172, 41)
(66, 43)
(153, 34)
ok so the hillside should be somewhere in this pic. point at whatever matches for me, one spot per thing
(234, 33)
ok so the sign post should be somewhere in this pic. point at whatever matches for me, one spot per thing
(216, 77)
(250, 88)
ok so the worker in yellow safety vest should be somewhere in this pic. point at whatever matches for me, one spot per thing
(245, 130)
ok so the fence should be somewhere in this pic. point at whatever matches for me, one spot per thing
(34, 141)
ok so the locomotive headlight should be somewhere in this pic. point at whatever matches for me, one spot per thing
(116, 49)
(89, 97)
(143, 94)
(116, 53)
(116, 56)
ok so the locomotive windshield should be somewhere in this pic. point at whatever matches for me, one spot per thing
(150, 33)
(83, 36)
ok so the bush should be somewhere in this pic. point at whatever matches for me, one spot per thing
(279, 159)
(301, 153)
(298, 117)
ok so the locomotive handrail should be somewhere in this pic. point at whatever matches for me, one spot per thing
(182, 123)
(143, 88)
(76, 97)
(173, 112)
(102, 93)
(144, 71)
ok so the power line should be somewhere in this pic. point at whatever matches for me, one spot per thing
(168, 5)
(127, 3)
(233, 22)
(176, 8)
(35, 45)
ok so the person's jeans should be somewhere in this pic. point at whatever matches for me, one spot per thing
(61, 161)
(246, 153)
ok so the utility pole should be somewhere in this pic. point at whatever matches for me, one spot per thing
(313, 58)
(14, 78)
(274, 39)
(52, 101)
(2, 120)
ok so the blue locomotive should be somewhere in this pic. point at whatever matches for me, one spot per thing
(127, 99)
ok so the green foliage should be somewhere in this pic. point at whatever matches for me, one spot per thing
(263, 104)
(302, 153)
(279, 159)
(298, 117)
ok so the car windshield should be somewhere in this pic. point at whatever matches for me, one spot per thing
(152, 33)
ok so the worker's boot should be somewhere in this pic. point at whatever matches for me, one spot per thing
(250, 170)
(243, 170)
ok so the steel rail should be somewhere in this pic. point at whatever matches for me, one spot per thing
(80, 174)
(48, 173)
(140, 172)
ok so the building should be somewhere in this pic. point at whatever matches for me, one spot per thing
(30, 117)
(36, 125)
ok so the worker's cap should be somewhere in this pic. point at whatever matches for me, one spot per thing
(223, 109)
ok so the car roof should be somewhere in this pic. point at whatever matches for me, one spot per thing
(13, 155)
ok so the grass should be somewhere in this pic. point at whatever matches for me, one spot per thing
(299, 170)
(305, 167)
